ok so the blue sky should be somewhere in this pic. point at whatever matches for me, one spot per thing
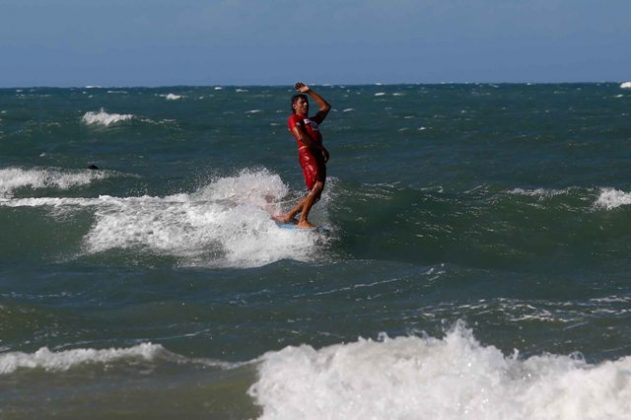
(246, 42)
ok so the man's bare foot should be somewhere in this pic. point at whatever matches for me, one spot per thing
(304, 224)
(281, 218)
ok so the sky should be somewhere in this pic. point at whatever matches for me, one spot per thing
(276, 42)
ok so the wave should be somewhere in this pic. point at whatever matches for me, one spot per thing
(453, 377)
(626, 85)
(103, 118)
(607, 198)
(172, 97)
(540, 192)
(226, 224)
(450, 378)
(223, 224)
(65, 360)
(12, 179)
(611, 198)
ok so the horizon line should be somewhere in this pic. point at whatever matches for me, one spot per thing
(229, 85)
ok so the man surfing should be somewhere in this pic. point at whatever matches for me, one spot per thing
(312, 155)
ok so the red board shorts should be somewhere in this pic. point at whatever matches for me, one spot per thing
(313, 166)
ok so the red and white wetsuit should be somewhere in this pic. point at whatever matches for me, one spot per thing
(311, 160)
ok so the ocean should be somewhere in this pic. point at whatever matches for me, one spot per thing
(473, 259)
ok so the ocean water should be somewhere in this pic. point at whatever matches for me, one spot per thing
(474, 259)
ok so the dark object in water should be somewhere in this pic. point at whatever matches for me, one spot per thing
(93, 167)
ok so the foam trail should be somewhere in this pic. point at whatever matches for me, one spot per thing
(65, 360)
(103, 118)
(428, 378)
(12, 179)
(540, 192)
(611, 198)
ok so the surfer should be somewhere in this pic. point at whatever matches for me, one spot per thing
(312, 155)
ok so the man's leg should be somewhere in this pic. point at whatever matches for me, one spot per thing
(312, 170)
(308, 202)
(291, 214)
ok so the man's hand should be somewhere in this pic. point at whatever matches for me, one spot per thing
(302, 88)
(325, 154)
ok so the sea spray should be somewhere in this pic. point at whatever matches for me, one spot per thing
(225, 223)
(454, 377)
(64, 360)
(611, 198)
(103, 118)
(12, 179)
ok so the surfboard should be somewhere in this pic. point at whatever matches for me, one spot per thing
(293, 226)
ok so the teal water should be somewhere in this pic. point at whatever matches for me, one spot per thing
(480, 229)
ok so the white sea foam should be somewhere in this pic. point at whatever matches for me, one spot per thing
(66, 201)
(539, 192)
(103, 118)
(380, 94)
(626, 85)
(12, 179)
(171, 97)
(611, 198)
(427, 378)
(67, 359)
(225, 223)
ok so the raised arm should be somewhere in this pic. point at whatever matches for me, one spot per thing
(324, 106)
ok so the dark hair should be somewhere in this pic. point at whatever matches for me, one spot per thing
(295, 98)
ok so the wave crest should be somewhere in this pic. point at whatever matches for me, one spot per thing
(610, 198)
(12, 179)
(65, 360)
(226, 223)
(423, 377)
(172, 97)
(103, 118)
